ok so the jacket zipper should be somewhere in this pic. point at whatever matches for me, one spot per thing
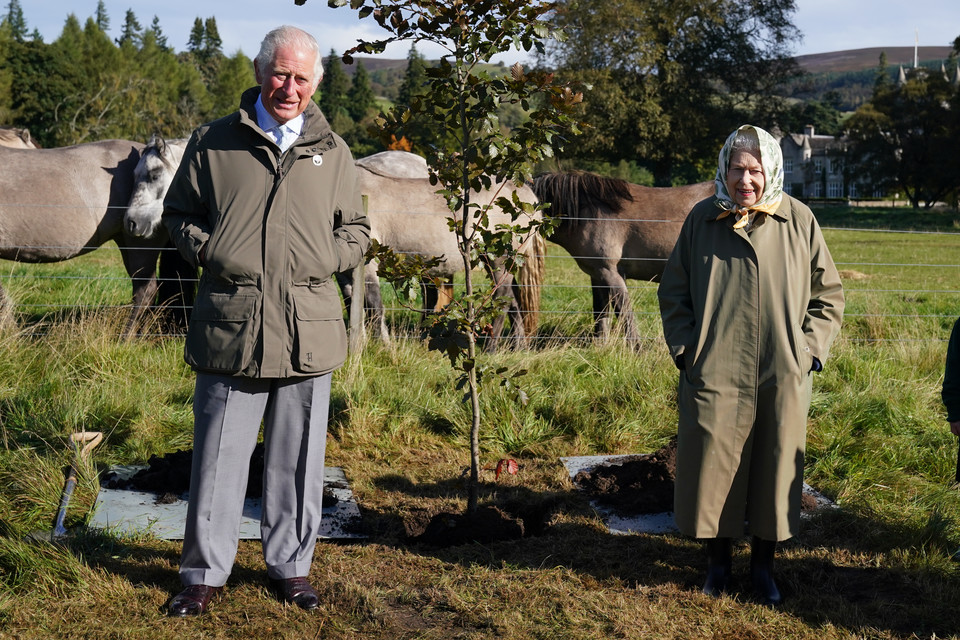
(277, 179)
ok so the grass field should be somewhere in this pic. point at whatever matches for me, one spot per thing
(879, 566)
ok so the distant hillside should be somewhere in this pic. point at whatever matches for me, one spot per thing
(849, 73)
(861, 59)
(372, 63)
(848, 76)
(386, 74)
(834, 61)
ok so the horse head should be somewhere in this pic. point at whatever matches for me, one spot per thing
(151, 179)
(16, 138)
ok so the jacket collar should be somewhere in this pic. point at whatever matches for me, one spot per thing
(783, 212)
(316, 130)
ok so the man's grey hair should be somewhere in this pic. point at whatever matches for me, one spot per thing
(285, 36)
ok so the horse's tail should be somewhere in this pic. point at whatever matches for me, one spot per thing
(530, 281)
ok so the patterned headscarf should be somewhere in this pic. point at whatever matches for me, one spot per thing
(771, 158)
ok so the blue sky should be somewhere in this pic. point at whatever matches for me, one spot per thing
(827, 25)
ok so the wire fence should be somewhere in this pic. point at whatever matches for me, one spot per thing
(900, 286)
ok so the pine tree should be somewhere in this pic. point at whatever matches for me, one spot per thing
(235, 75)
(334, 88)
(174, 98)
(15, 21)
(71, 38)
(414, 80)
(416, 132)
(360, 98)
(882, 79)
(132, 32)
(6, 75)
(101, 17)
(212, 44)
(195, 43)
(158, 35)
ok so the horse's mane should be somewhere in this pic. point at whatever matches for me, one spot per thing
(577, 194)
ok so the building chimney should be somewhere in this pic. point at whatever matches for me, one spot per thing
(808, 130)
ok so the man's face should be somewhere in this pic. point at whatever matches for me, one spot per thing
(286, 87)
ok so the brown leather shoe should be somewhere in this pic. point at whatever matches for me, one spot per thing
(192, 601)
(296, 591)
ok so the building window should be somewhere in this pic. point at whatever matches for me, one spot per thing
(818, 165)
(788, 166)
(817, 191)
(834, 189)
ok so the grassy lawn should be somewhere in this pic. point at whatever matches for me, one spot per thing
(878, 566)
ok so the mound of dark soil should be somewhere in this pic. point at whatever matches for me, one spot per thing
(169, 475)
(634, 485)
(642, 484)
(487, 524)
(508, 520)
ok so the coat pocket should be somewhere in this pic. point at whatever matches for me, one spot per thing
(222, 334)
(802, 350)
(320, 343)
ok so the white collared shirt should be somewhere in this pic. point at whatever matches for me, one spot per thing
(283, 135)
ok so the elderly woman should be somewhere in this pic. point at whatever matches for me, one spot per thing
(750, 301)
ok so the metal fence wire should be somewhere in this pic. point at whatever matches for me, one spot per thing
(913, 297)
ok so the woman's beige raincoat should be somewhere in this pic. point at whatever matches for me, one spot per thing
(744, 315)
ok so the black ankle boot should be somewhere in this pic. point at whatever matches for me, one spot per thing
(761, 571)
(719, 561)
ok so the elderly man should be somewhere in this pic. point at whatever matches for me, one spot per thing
(266, 201)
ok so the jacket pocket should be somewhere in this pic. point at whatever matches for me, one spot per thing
(222, 332)
(320, 343)
(802, 350)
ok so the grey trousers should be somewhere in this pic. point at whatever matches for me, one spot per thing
(227, 413)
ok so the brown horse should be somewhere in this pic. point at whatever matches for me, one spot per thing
(57, 204)
(616, 230)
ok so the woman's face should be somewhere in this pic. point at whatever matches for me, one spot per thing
(745, 179)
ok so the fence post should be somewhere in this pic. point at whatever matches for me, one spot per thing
(356, 301)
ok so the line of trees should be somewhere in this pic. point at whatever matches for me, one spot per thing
(84, 86)
(665, 87)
